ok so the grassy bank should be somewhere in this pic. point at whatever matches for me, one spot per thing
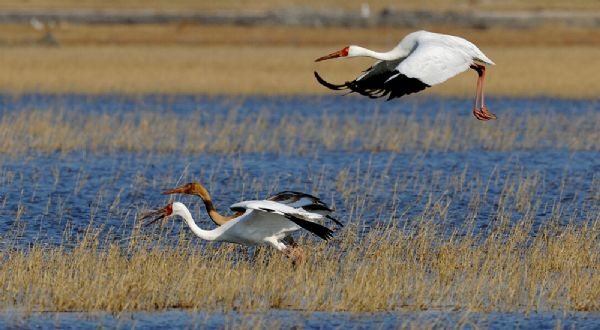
(182, 58)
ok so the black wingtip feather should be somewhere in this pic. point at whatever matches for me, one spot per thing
(315, 228)
(334, 220)
(328, 84)
(317, 207)
(379, 85)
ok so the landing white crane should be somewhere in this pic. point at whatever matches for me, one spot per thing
(422, 59)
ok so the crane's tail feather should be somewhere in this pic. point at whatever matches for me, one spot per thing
(315, 228)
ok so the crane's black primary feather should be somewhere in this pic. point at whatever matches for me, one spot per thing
(376, 83)
(290, 197)
(329, 85)
(317, 207)
(315, 228)
(311, 203)
(334, 220)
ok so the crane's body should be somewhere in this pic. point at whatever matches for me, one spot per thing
(421, 59)
(262, 222)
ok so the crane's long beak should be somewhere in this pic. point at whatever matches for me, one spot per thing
(159, 214)
(178, 190)
(339, 53)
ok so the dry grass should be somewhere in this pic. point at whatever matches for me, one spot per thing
(276, 4)
(62, 131)
(234, 60)
(389, 268)
(382, 260)
(213, 35)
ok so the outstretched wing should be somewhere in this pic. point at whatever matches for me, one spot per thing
(274, 218)
(305, 201)
(381, 79)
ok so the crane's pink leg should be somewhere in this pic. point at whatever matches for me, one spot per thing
(484, 111)
(476, 111)
(480, 112)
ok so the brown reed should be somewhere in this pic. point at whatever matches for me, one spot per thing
(387, 269)
(65, 131)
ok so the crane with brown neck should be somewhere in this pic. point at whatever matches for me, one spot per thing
(292, 198)
(196, 189)
(295, 199)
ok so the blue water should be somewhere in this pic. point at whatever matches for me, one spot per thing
(356, 107)
(44, 195)
(282, 319)
(111, 190)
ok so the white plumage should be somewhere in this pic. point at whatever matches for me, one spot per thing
(422, 59)
(263, 222)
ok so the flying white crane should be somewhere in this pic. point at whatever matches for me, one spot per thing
(262, 222)
(422, 59)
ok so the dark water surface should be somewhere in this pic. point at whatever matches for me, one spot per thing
(42, 195)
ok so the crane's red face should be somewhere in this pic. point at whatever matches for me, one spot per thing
(339, 53)
(160, 214)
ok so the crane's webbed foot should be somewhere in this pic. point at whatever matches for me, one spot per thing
(483, 114)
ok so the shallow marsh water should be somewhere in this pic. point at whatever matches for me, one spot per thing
(45, 195)
(277, 319)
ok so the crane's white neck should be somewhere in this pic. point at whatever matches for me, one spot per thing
(182, 211)
(394, 54)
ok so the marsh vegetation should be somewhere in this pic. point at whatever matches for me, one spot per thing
(392, 267)
(427, 228)
(272, 131)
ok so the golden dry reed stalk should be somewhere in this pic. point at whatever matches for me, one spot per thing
(63, 131)
(387, 269)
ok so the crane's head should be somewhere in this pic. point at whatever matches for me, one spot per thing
(192, 188)
(175, 208)
(159, 214)
(340, 53)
